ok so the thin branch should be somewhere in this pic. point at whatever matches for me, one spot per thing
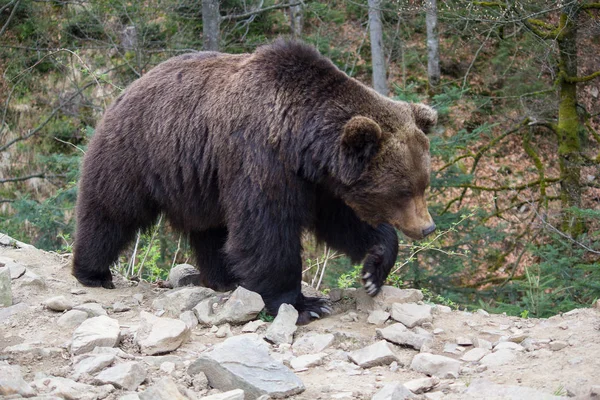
(12, 13)
(251, 13)
(578, 79)
(23, 178)
(508, 187)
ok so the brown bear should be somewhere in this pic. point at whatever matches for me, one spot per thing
(243, 153)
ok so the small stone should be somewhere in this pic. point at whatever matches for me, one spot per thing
(71, 319)
(12, 383)
(393, 391)
(78, 291)
(483, 312)
(518, 337)
(189, 318)
(6, 297)
(160, 335)
(15, 269)
(464, 341)
(379, 353)
(350, 317)
(92, 309)
(174, 302)
(224, 331)
(306, 361)
(475, 354)
(237, 394)
(127, 375)
(283, 327)
(164, 389)
(557, 345)
(58, 303)
(399, 334)
(253, 326)
(484, 344)
(411, 315)
(422, 385)
(184, 275)
(378, 317)
(335, 295)
(97, 331)
(139, 297)
(595, 391)
(438, 331)
(440, 309)
(440, 366)
(387, 296)
(452, 348)
(312, 342)
(69, 389)
(167, 367)
(508, 346)
(112, 350)
(91, 363)
(500, 357)
(119, 307)
(243, 305)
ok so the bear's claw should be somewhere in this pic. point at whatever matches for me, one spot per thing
(311, 308)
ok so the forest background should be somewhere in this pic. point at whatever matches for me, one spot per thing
(516, 183)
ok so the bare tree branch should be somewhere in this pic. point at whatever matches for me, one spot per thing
(251, 13)
(14, 10)
(23, 178)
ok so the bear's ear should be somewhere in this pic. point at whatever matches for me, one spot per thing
(425, 116)
(361, 139)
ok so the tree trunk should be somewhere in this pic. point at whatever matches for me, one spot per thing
(211, 21)
(377, 55)
(433, 54)
(296, 21)
(569, 143)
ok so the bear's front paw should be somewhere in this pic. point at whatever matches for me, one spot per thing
(374, 272)
(311, 308)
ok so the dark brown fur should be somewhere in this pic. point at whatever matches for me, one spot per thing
(243, 153)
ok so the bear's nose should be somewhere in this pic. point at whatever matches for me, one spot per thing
(428, 230)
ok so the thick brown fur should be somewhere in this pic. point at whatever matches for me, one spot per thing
(243, 153)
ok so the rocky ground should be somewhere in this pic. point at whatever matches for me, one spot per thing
(61, 340)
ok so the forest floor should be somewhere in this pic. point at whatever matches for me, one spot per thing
(558, 357)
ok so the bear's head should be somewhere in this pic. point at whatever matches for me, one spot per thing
(387, 166)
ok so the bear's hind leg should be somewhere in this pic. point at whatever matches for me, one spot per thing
(97, 245)
(209, 246)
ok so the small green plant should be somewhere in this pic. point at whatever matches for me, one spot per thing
(560, 391)
(265, 317)
(524, 314)
(67, 247)
(431, 297)
(350, 279)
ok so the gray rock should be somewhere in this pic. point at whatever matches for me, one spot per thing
(97, 331)
(32, 280)
(595, 391)
(69, 389)
(243, 362)
(12, 383)
(386, 298)
(58, 303)
(7, 241)
(128, 375)
(410, 314)
(160, 335)
(393, 391)
(283, 327)
(184, 275)
(482, 343)
(399, 334)
(464, 341)
(241, 306)
(475, 354)
(224, 331)
(440, 366)
(237, 394)
(422, 385)
(35, 349)
(379, 353)
(16, 270)
(6, 298)
(92, 309)
(72, 318)
(164, 389)
(174, 302)
(306, 361)
(441, 309)
(189, 318)
(481, 389)
(312, 342)
(508, 346)
(252, 326)
(378, 317)
(91, 363)
(130, 396)
(498, 358)
(119, 307)
(78, 291)
(482, 312)
(556, 345)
